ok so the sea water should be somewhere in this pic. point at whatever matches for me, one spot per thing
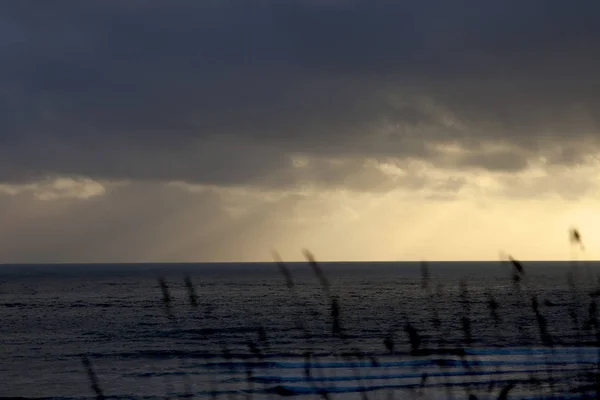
(242, 332)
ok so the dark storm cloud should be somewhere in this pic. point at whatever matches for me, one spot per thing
(225, 92)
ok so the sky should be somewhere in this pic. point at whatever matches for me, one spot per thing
(185, 130)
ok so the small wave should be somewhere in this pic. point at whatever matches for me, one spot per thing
(12, 305)
(150, 354)
(468, 363)
(211, 332)
(283, 390)
(92, 305)
(298, 379)
(291, 390)
(168, 373)
(36, 398)
(167, 354)
(441, 357)
(513, 351)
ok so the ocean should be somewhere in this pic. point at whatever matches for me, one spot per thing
(359, 330)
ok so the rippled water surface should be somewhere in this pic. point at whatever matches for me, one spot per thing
(249, 335)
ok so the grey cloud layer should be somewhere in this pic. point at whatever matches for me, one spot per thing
(226, 92)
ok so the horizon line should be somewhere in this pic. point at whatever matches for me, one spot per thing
(91, 263)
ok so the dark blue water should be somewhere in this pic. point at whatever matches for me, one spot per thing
(248, 334)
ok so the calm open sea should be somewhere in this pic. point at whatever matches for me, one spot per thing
(473, 329)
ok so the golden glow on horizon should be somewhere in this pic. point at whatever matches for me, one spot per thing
(460, 230)
(527, 215)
